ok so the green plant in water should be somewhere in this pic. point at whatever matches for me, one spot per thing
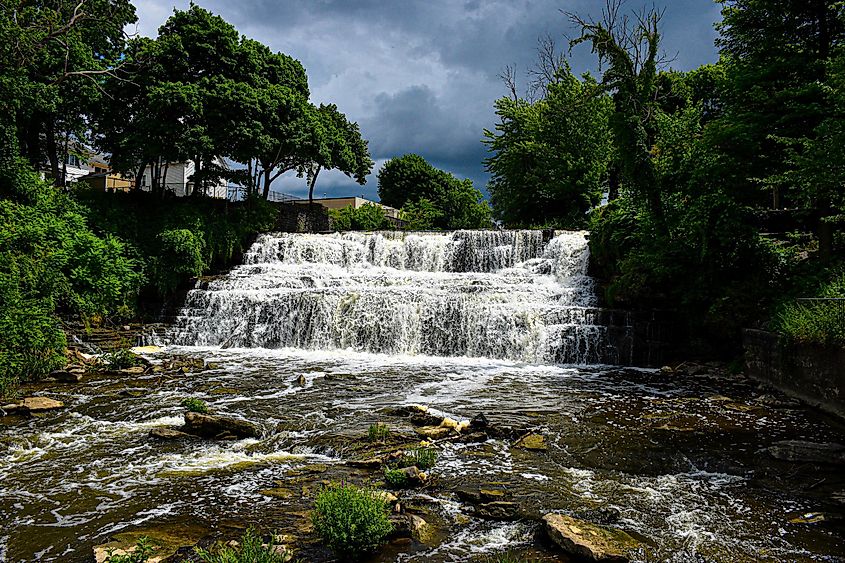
(141, 554)
(121, 358)
(395, 478)
(378, 432)
(352, 521)
(195, 405)
(423, 458)
(508, 557)
(250, 549)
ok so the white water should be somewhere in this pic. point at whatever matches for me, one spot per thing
(494, 294)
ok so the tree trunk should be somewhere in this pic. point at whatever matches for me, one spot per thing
(267, 182)
(139, 176)
(312, 182)
(53, 154)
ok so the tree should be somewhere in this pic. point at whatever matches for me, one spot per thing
(54, 59)
(342, 148)
(410, 178)
(550, 157)
(630, 49)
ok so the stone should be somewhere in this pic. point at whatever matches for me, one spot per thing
(371, 463)
(588, 541)
(301, 380)
(479, 422)
(457, 426)
(167, 539)
(66, 376)
(278, 492)
(39, 404)
(168, 434)
(138, 350)
(134, 370)
(491, 495)
(385, 496)
(10, 409)
(667, 370)
(414, 475)
(807, 452)
(420, 530)
(534, 442)
(433, 432)
(498, 510)
(212, 426)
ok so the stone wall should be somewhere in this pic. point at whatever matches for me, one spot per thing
(302, 218)
(814, 374)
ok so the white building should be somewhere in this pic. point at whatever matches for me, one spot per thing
(178, 180)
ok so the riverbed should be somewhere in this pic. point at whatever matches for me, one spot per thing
(678, 461)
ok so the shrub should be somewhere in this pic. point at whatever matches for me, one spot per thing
(813, 322)
(141, 554)
(351, 521)
(251, 549)
(378, 432)
(368, 217)
(119, 359)
(395, 478)
(195, 405)
(180, 257)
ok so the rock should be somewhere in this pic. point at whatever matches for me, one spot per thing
(667, 370)
(479, 422)
(212, 426)
(414, 475)
(457, 426)
(134, 370)
(534, 442)
(301, 380)
(166, 539)
(371, 463)
(278, 492)
(168, 434)
(491, 495)
(10, 409)
(433, 432)
(807, 452)
(604, 515)
(66, 376)
(39, 404)
(498, 510)
(809, 518)
(588, 541)
(420, 530)
(137, 350)
(385, 496)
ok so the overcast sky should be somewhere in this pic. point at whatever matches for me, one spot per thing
(421, 75)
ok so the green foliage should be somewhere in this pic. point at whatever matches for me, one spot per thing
(378, 432)
(195, 405)
(508, 557)
(121, 358)
(177, 239)
(435, 198)
(353, 522)
(423, 458)
(550, 157)
(421, 215)
(144, 549)
(250, 549)
(395, 478)
(180, 257)
(814, 322)
(368, 217)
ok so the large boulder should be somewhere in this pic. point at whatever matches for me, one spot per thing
(39, 404)
(215, 426)
(588, 541)
(168, 434)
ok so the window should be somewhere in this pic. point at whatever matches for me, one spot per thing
(73, 160)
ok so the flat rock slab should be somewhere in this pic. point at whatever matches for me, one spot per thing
(212, 426)
(39, 404)
(807, 452)
(166, 539)
(168, 434)
(588, 541)
(533, 442)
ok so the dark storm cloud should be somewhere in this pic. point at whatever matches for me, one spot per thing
(421, 75)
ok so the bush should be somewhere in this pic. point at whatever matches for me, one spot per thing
(813, 322)
(351, 521)
(378, 432)
(395, 478)
(195, 405)
(119, 359)
(141, 554)
(251, 549)
(180, 258)
(423, 458)
(368, 217)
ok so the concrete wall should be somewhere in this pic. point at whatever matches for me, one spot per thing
(299, 218)
(814, 374)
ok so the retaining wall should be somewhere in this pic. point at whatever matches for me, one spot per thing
(814, 374)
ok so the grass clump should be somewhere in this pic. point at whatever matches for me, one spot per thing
(195, 405)
(508, 557)
(352, 521)
(121, 358)
(395, 478)
(250, 549)
(378, 432)
(423, 458)
(141, 554)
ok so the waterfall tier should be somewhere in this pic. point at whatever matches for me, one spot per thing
(495, 294)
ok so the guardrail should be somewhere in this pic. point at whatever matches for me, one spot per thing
(238, 193)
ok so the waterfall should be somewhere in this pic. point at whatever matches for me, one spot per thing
(495, 294)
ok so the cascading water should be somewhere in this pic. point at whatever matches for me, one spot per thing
(495, 294)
